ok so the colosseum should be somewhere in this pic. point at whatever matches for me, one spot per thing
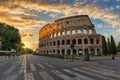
(56, 38)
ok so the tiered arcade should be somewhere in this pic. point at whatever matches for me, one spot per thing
(57, 37)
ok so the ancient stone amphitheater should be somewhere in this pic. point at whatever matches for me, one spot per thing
(57, 37)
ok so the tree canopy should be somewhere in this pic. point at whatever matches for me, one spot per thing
(10, 37)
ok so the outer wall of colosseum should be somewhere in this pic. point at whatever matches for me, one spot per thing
(57, 37)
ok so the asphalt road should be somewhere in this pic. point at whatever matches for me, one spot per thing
(32, 67)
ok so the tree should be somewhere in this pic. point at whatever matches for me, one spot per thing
(10, 36)
(113, 46)
(104, 46)
(109, 47)
(118, 47)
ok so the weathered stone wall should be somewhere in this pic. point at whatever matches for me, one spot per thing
(78, 30)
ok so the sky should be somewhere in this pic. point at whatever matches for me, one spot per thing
(29, 16)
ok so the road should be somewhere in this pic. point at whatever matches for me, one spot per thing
(32, 67)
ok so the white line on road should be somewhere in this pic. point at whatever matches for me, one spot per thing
(29, 76)
(45, 76)
(41, 66)
(32, 67)
(49, 65)
(97, 75)
(61, 75)
(78, 76)
(12, 77)
(9, 70)
(105, 71)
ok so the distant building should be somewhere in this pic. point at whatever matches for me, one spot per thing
(0, 44)
(57, 37)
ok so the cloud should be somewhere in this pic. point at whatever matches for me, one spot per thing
(25, 14)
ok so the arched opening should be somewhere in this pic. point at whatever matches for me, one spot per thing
(97, 41)
(50, 52)
(53, 43)
(73, 41)
(90, 31)
(86, 51)
(91, 41)
(68, 32)
(79, 31)
(58, 42)
(50, 43)
(85, 41)
(53, 51)
(58, 51)
(63, 42)
(98, 52)
(92, 51)
(68, 52)
(79, 41)
(80, 52)
(63, 33)
(55, 35)
(63, 51)
(59, 34)
(74, 51)
(84, 32)
(73, 32)
(68, 42)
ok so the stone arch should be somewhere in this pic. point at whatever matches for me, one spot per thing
(91, 41)
(53, 51)
(63, 42)
(74, 51)
(98, 52)
(84, 31)
(54, 43)
(68, 52)
(59, 34)
(79, 41)
(58, 42)
(79, 31)
(63, 51)
(86, 51)
(85, 41)
(92, 51)
(80, 52)
(90, 31)
(73, 32)
(97, 41)
(68, 42)
(73, 41)
(68, 32)
(58, 51)
(63, 32)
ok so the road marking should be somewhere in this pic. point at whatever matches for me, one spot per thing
(105, 72)
(45, 76)
(12, 77)
(32, 67)
(78, 76)
(41, 66)
(9, 70)
(66, 65)
(61, 75)
(49, 65)
(29, 76)
(99, 76)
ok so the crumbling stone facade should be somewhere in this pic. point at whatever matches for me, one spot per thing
(57, 37)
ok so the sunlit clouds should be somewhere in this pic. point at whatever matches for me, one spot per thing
(33, 14)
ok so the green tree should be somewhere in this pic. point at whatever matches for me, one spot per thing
(118, 47)
(10, 36)
(109, 47)
(113, 46)
(104, 46)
